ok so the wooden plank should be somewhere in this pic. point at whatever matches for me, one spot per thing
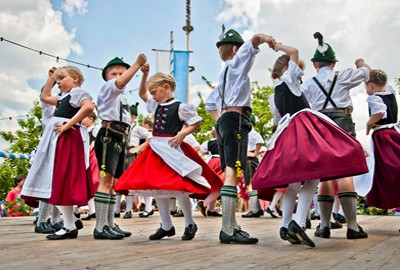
(21, 248)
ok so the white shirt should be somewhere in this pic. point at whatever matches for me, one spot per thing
(254, 139)
(138, 133)
(109, 103)
(347, 79)
(237, 83)
(191, 140)
(292, 78)
(186, 112)
(376, 104)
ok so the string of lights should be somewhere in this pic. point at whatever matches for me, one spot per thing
(47, 54)
(14, 117)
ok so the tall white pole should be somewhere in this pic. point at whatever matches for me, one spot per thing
(171, 54)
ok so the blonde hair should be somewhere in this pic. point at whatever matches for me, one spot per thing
(159, 79)
(281, 63)
(377, 77)
(72, 71)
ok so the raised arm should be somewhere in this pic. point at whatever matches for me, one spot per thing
(124, 79)
(259, 39)
(45, 95)
(292, 52)
(142, 87)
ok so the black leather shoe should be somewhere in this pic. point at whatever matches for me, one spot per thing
(336, 225)
(161, 233)
(251, 214)
(294, 229)
(36, 220)
(44, 228)
(107, 234)
(202, 208)
(352, 234)
(308, 223)
(238, 236)
(117, 215)
(78, 224)
(213, 214)
(67, 234)
(178, 213)
(261, 212)
(77, 215)
(339, 218)
(271, 213)
(146, 214)
(128, 214)
(57, 226)
(324, 232)
(315, 217)
(190, 232)
(118, 230)
(284, 234)
(89, 217)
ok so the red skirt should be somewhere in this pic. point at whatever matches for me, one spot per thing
(72, 182)
(94, 167)
(310, 148)
(385, 191)
(215, 164)
(150, 172)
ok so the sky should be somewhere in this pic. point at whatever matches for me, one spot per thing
(94, 32)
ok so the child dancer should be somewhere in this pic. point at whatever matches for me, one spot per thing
(230, 105)
(383, 112)
(169, 167)
(111, 142)
(60, 172)
(303, 149)
(329, 93)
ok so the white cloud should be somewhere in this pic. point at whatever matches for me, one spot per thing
(358, 28)
(36, 25)
(72, 7)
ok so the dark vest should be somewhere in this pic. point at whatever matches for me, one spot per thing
(166, 119)
(64, 108)
(391, 111)
(213, 147)
(287, 102)
(91, 137)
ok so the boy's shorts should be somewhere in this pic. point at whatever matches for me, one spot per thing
(344, 120)
(110, 149)
(232, 136)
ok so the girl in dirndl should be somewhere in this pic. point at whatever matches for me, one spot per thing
(385, 142)
(306, 147)
(60, 172)
(169, 167)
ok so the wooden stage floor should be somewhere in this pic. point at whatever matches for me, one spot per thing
(21, 248)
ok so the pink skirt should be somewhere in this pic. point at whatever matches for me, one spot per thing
(385, 191)
(72, 182)
(310, 148)
(150, 172)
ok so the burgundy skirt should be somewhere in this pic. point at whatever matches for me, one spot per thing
(310, 148)
(150, 172)
(94, 167)
(72, 182)
(385, 191)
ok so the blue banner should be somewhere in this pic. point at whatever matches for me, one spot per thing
(181, 70)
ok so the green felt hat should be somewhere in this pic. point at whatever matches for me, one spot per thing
(114, 62)
(134, 108)
(230, 37)
(324, 52)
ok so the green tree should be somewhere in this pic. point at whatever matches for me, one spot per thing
(23, 141)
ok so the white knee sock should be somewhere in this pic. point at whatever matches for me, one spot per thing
(91, 206)
(163, 209)
(68, 215)
(303, 205)
(118, 203)
(277, 196)
(186, 207)
(147, 201)
(288, 201)
(129, 202)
